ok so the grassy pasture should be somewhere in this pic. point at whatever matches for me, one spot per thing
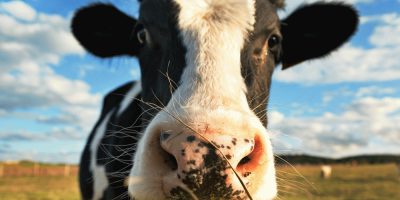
(39, 188)
(364, 182)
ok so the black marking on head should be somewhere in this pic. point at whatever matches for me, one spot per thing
(257, 68)
(163, 61)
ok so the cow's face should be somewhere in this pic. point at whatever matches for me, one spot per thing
(206, 70)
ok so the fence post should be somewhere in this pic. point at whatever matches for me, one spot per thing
(36, 170)
(67, 170)
(1, 170)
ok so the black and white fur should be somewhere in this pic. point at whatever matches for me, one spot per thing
(210, 64)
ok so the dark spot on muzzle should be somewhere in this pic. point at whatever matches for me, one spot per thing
(246, 174)
(183, 152)
(234, 140)
(191, 138)
(208, 181)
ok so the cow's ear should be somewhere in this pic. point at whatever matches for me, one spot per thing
(105, 31)
(315, 30)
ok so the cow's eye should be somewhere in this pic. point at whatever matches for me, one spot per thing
(141, 34)
(273, 41)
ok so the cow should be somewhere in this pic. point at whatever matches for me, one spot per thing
(326, 171)
(194, 126)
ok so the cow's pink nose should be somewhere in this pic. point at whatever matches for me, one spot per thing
(201, 165)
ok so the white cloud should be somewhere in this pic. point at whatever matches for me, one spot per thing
(20, 136)
(364, 122)
(331, 95)
(373, 108)
(368, 91)
(275, 117)
(387, 34)
(28, 51)
(387, 18)
(352, 63)
(56, 156)
(44, 41)
(84, 116)
(55, 134)
(2, 112)
(374, 91)
(19, 10)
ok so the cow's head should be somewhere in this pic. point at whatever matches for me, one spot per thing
(208, 65)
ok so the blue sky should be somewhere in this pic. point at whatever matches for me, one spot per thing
(51, 89)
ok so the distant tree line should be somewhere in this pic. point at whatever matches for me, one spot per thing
(315, 160)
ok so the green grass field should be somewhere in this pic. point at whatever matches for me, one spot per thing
(366, 182)
(39, 188)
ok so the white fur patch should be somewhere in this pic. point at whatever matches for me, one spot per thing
(100, 181)
(99, 173)
(214, 32)
(130, 97)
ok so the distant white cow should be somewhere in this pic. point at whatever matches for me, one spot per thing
(326, 171)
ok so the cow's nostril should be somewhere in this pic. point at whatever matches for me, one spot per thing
(251, 161)
(244, 160)
(172, 162)
(169, 159)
